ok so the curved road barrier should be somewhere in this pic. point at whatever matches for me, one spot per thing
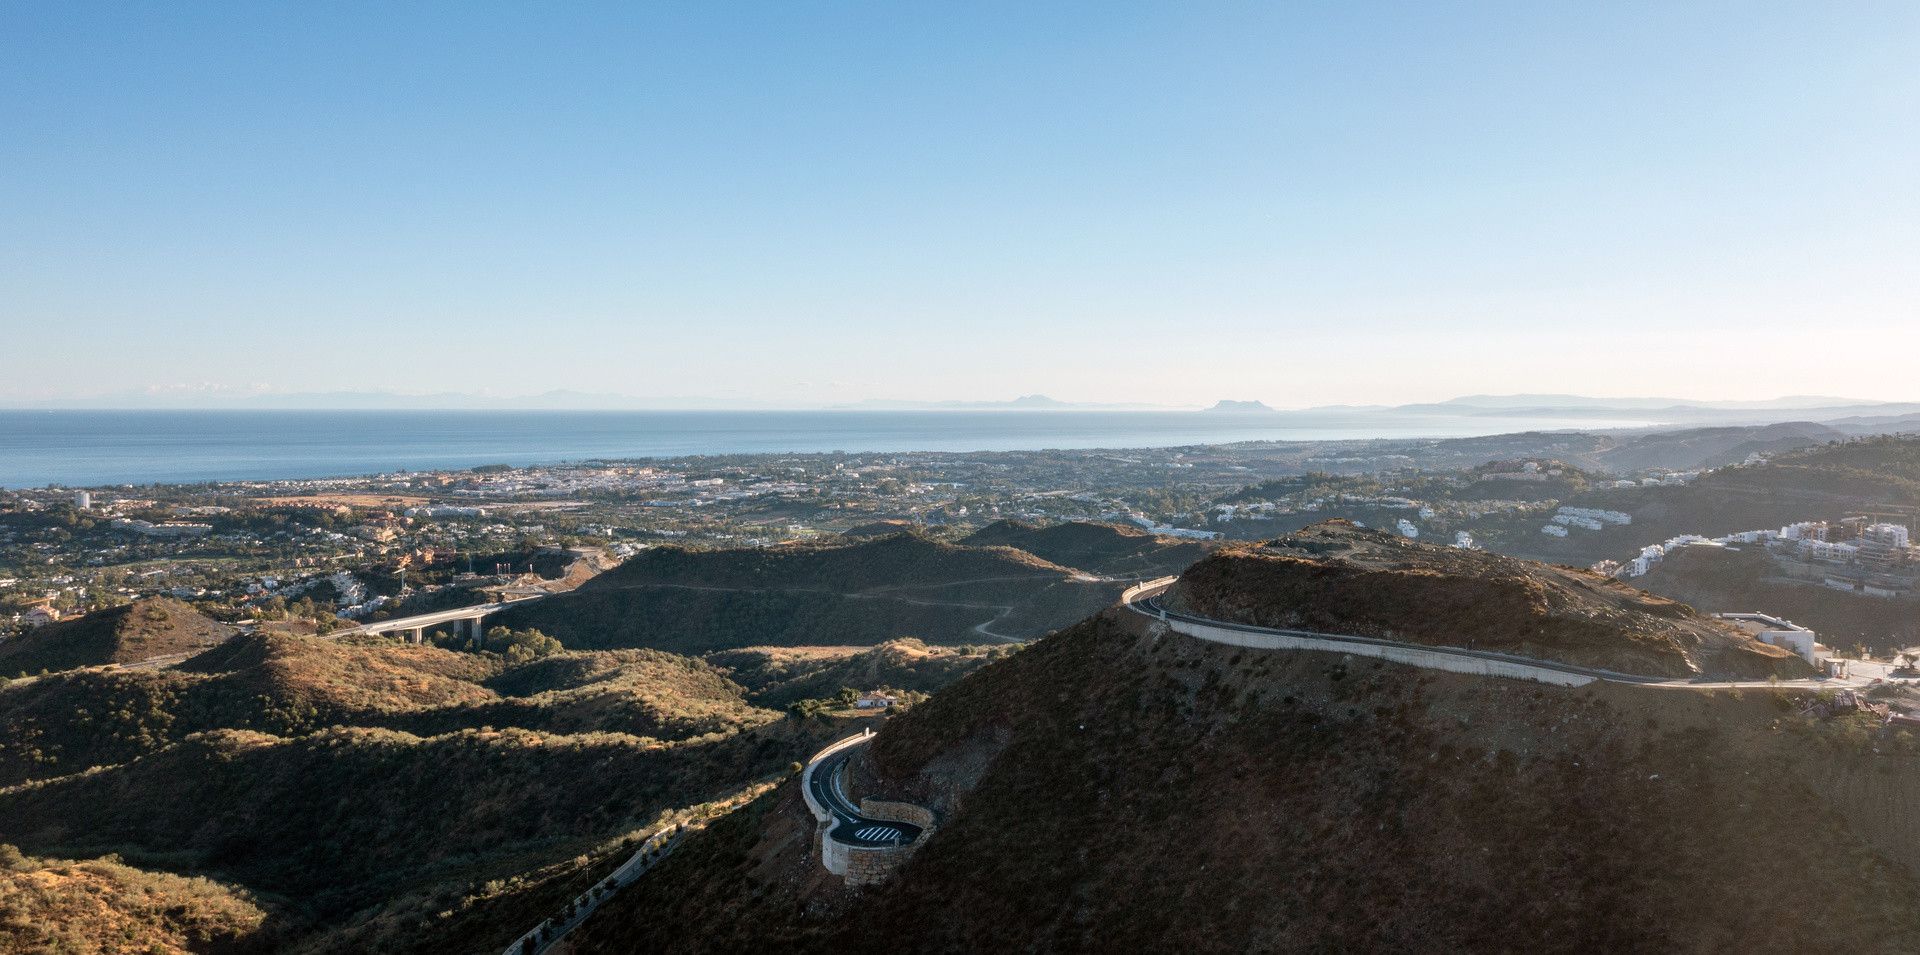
(1145, 599)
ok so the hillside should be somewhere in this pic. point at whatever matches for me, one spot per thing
(642, 692)
(154, 627)
(372, 794)
(778, 676)
(1113, 788)
(1111, 549)
(346, 822)
(100, 905)
(1336, 577)
(849, 593)
(1822, 482)
(1870, 470)
(289, 686)
(1712, 447)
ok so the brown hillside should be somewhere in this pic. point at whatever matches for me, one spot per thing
(154, 627)
(290, 686)
(1111, 549)
(778, 676)
(878, 529)
(890, 560)
(100, 905)
(371, 674)
(1116, 789)
(642, 692)
(843, 594)
(346, 821)
(1338, 578)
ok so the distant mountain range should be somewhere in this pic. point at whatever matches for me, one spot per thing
(1022, 403)
(1229, 406)
(1569, 402)
(1650, 412)
(557, 400)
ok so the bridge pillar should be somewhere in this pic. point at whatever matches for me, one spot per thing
(417, 635)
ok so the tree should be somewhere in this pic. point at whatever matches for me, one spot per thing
(520, 646)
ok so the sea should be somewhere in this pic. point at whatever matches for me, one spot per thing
(76, 448)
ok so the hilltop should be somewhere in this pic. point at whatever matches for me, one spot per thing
(1116, 787)
(154, 627)
(863, 591)
(1336, 577)
(1870, 470)
(778, 676)
(290, 686)
(1713, 447)
(1112, 549)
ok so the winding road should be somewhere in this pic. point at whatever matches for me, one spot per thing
(1145, 599)
(851, 828)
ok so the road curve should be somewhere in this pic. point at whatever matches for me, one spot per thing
(827, 789)
(1144, 599)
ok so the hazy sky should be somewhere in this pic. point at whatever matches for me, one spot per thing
(819, 202)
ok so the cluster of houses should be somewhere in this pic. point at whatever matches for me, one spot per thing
(162, 529)
(1875, 559)
(1585, 518)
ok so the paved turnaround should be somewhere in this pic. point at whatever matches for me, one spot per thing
(1145, 599)
(849, 826)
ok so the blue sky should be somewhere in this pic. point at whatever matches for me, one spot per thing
(810, 203)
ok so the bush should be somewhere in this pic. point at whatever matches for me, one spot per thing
(520, 646)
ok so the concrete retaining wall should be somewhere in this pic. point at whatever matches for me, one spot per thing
(1427, 659)
(820, 813)
(1434, 659)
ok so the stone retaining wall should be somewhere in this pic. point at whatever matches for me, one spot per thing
(898, 812)
(872, 866)
(862, 865)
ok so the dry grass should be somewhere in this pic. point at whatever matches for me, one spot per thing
(101, 905)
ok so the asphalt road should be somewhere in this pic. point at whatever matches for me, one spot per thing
(1150, 605)
(849, 826)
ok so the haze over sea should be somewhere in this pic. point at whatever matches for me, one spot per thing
(94, 448)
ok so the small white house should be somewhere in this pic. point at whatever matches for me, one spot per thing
(1781, 633)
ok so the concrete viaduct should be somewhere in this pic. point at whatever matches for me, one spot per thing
(471, 620)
